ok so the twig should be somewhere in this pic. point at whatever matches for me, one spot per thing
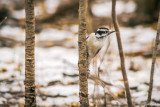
(100, 81)
(52, 96)
(116, 26)
(3, 20)
(153, 63)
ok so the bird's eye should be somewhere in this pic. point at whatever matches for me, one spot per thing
(101, 32)
(104, 31)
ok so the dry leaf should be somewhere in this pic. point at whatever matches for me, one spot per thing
(21, 104)
(74, 104)
(4, 70)
(120, 94)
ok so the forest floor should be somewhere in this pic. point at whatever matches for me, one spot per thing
(56, 58)
(56, 71)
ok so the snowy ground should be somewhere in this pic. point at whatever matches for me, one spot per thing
(56, 66)
(53, 62)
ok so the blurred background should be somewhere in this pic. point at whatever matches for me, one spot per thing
(57, 52)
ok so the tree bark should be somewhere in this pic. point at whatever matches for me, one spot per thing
(82, 63)
(153, 63)
(30, 96)
(116, 26)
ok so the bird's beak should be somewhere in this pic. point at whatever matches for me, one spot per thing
(111, 31)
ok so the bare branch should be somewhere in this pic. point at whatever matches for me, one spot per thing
(116, 26)
(153, 63)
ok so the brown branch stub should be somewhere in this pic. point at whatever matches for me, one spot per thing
(116, 26)
(82, 63)
(3, 20)
(153, 63)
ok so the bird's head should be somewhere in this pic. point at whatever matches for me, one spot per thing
(103, 32)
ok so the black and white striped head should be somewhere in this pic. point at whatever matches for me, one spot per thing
(103, 31)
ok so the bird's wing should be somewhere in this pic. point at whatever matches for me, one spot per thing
(87, 37)
(97, 51)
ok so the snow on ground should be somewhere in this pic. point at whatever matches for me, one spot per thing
(13, 32)
(51, 5)
(54, 34)
(20, 14)
(98, 8)
(52, 62)
(104, 8)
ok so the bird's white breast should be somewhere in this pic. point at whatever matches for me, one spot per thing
(94, 44)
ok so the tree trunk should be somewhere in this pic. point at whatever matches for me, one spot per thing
(82, 63)
(30, 96)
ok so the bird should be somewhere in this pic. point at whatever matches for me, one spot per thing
(95, 42)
